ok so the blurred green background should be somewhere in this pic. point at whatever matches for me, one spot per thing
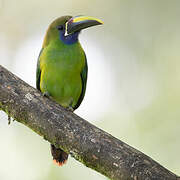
(133, 89)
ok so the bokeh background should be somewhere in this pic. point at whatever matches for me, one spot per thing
(133, 89)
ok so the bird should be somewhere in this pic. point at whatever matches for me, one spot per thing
(62, 69)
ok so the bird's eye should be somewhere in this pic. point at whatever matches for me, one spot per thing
(60, 28)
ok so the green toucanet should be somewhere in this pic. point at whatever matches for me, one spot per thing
(62, 67)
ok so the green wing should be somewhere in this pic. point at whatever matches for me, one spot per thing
(84, 80)
(38, 72)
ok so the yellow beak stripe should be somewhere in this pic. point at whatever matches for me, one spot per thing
(84, 18)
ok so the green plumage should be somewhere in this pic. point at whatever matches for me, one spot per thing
(62, 66)
(62, 69)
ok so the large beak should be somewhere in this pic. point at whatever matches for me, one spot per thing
(78, 23)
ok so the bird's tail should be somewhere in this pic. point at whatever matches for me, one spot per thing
(59, 156)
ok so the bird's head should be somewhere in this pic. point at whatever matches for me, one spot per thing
(67, 28)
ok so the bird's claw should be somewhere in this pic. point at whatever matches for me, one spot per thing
(46, 94)
(70, 109)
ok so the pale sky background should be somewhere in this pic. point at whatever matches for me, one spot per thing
(133, 89)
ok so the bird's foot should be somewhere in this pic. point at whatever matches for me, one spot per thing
(69, 108)
(46, 94)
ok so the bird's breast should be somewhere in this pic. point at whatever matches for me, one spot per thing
(61, 75)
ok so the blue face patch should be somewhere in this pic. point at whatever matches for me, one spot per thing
(69, 39)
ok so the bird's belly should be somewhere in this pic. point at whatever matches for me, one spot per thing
(64, 87)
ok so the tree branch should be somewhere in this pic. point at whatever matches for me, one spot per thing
(84, 141)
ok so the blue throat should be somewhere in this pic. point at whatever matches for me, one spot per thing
(70, 39)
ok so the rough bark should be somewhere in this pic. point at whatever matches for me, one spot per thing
(84, 141)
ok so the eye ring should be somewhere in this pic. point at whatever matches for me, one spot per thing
(60, 27)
